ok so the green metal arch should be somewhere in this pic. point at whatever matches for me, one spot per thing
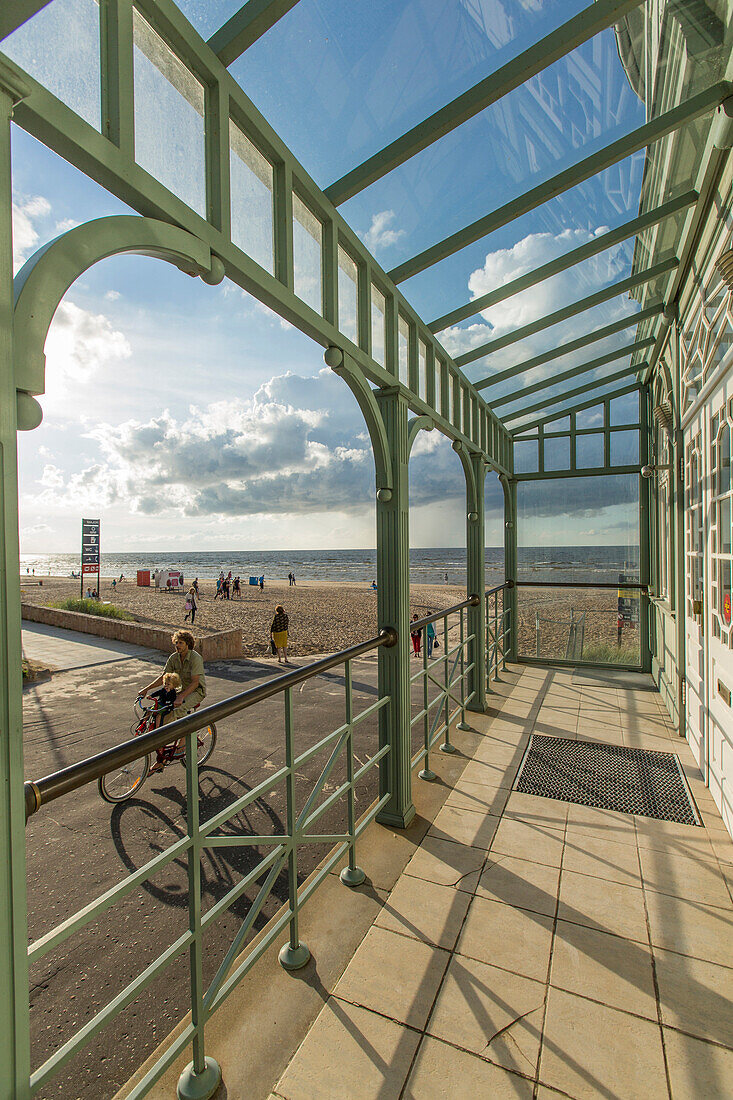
(345, 367)
(415, 426)
(45, 278)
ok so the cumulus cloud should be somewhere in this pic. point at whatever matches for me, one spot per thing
(79, 343)
(25, 231)
(380, 235)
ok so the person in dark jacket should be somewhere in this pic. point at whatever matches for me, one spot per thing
(279, 634)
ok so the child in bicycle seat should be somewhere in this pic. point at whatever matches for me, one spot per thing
(166, 695)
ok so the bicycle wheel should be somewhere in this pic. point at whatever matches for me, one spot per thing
(205, 744)
(124, 782)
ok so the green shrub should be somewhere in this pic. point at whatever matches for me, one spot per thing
(605, 654)
(94, 607)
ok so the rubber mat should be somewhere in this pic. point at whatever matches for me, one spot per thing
(610, 777)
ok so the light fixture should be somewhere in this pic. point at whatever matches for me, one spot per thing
(649, 470)
(724, 265)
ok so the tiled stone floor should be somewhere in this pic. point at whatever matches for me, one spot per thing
(535, 948)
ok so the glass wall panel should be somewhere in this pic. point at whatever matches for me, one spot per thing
(169, 118)
(590, 418)
(624, 409)
(589, 453)
(348, 296)
(422, 370)
(438, 405)
(307, 253)
(251, 189)
(560, 425)
(59, 47)
(600, 626)
(526, 456)
(404, 345)
(624, 448)
(557, 452)
(379, 341)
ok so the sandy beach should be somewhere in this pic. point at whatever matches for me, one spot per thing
(323, 617)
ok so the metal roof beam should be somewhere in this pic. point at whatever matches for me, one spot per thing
(593, 364)
(574, 345)
(584, 25)
(578, 407)
(625, 373)
(573, 372)
(618, 150)
(562, 263)
(564, 314)
(15, 14)
(247, 25)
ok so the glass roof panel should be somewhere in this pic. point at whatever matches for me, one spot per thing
(567, 406)
(208, 17)
(364, 74)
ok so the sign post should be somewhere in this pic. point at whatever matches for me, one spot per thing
(90, 561)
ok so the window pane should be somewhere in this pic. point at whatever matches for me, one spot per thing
(422, 370)
(624, 448)
(169, 118)
(589, 451)
(438, 406)
(378, 326)
(579, 624)
(251, 187)
(558, 425)
(59, 47)
(348, 309)
(590, 418)
(307, 236)
(625, 410)
(404, 337)
(557, 453)
(526, 456)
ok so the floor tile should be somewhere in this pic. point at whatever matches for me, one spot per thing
(690, 928)
(607, 906)
(698, 1069)
(592, 1051)
(606, 824)
(671, 836)
(539, 844)
(534, 809)
(442, 1071)
(378, 1053)
(394, 975)
(495, 775)
(588, 855)
(605, 968)
(696, 879)
(520, 883)
(479, 797)
(695, 996)
(464, 827)
(501, 935)
(447, 863)
(425, 911)
(490, 1012)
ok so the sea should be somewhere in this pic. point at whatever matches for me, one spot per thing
(587, 564)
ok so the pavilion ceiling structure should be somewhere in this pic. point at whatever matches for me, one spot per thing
(545, 137)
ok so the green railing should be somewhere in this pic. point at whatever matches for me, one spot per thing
(201, 1076)
(449, 672)
(498, 631)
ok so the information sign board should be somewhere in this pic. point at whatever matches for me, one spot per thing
(90, 560)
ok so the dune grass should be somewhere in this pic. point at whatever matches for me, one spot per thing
(604, 654)
(94, 607)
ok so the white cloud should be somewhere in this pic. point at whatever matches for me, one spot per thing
(379, 235)
(112, 295)
(25, 232)
(52, 477)
(78, 344)
(65, 225)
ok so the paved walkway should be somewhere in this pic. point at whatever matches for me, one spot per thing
(62, 649)
(536, 948)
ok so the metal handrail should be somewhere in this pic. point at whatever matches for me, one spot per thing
(472, 601)
(583, 584)
(42, 791)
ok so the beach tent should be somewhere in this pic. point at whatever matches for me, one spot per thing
(175, 576)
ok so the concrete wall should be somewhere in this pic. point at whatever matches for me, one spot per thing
(212, 647)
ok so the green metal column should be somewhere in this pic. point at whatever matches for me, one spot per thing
(510, 559)
(476, 582)
(644, 532)
(14, 1022)
(393, 610)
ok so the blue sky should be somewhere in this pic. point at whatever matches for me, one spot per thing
(182, 412)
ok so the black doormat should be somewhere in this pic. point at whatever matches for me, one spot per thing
(610, 777)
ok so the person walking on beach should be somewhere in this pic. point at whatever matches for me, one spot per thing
(195, 587)
(236, 591)
(262, 583)
(191, 606)
(430, 638)
(279, 634)
(416, 636)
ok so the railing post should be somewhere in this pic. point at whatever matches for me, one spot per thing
(14, 1012)
(510, 560)
(351, 875)
(476, 583)
(463, 724)
(426, 772)
(393, 610)
(293, 954)
(201, 1077)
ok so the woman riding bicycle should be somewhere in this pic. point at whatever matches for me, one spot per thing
(190, 667)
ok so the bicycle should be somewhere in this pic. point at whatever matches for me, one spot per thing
(124, 782)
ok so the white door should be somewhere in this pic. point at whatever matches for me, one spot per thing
(694, 589)
(719, 615)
